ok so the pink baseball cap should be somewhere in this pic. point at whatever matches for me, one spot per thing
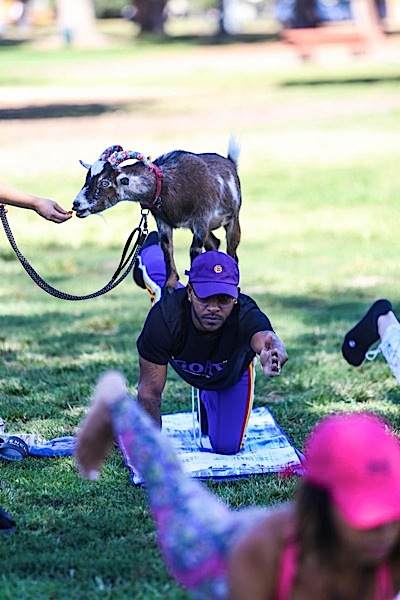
(356, 459)
(213, 273)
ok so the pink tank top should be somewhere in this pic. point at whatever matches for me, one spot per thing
(288, 569)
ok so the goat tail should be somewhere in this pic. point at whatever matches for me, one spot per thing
(234, 150)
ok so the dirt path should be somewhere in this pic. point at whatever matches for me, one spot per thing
(51, 128)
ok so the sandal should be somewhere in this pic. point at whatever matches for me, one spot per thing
(14, 449)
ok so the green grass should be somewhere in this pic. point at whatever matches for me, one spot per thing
(320, 220)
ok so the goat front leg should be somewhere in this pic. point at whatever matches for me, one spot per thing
(167, 246)
(233, 234)
(198, 242)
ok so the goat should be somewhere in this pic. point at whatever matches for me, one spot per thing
(200, 192)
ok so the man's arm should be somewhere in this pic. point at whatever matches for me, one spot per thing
(271, 350)
(152, 378)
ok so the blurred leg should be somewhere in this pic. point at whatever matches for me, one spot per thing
(390, 347)
(196, 531)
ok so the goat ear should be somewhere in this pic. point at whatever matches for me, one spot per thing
(85, 165)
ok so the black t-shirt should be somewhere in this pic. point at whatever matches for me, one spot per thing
(208, 363)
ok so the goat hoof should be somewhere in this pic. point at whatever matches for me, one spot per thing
(169, 289)
(171, 284)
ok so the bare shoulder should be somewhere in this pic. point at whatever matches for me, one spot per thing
(275, 526)
(254, 562)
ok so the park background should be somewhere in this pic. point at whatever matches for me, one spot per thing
(320, 177)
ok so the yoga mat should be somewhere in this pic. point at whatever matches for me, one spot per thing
(267, 449)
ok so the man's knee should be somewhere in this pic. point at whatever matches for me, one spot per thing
(225, 446)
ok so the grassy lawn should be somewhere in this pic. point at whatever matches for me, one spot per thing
(320, 221)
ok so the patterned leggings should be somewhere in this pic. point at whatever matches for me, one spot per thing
(195, 529)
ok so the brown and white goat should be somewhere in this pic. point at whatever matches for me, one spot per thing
(200, 192)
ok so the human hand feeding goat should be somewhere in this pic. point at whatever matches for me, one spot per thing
(200, 192)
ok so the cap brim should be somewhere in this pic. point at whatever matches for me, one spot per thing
(371, 509)
(204, 290)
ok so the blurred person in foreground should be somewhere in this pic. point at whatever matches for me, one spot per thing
(338, 539)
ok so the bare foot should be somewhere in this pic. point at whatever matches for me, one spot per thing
(96, 435)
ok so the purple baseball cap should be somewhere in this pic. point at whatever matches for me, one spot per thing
(213, 273)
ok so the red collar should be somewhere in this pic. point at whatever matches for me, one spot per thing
(157, 200)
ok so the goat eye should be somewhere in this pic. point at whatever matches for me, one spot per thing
(105, 183)
(124, 181)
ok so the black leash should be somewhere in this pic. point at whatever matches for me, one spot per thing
(127, 260)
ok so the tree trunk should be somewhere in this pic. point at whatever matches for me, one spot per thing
(150, 15)
(77, 22)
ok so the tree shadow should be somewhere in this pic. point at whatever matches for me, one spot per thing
(64, 110)
(11, 42)
(218, 39)
(341, 80)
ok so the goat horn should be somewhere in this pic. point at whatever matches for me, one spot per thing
(86, 165)
(118, 157)
(108, 151)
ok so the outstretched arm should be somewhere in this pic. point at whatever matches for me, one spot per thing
(271, 350)
(46, 208)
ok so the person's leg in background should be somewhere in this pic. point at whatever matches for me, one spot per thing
(149, 271)
(365, 333)
(379, 322)
(389, 332)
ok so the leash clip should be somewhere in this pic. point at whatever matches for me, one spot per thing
(157, 202)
